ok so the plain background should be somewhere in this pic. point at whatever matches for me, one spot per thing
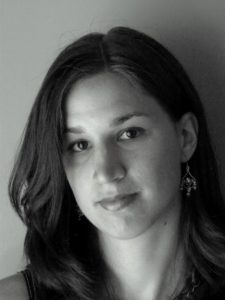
(33, 32)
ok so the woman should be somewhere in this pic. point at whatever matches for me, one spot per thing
(116, 179)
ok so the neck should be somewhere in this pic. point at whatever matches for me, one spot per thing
(149, 266)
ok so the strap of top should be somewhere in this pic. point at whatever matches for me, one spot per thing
(29, 283)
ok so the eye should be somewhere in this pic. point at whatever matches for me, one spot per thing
(131, 133)
(79, 146)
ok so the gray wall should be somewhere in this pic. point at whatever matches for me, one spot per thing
(33, 32)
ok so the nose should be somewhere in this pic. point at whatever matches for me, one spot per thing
(109, 166)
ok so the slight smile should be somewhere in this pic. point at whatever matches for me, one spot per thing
(118, 202)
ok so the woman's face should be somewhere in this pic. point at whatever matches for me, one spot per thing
(121, 156)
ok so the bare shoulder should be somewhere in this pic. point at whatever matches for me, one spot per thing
(13, 287)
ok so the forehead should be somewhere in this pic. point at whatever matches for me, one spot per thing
(107, 95)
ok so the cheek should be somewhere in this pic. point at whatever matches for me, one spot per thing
(158, 169)
(169, 163)
(78, 178)
(74, 177)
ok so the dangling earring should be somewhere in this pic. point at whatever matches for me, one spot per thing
(188, 182)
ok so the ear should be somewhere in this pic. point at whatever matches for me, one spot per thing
(188, 135)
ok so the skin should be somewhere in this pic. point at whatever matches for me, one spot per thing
(119, 140)
(13, 287)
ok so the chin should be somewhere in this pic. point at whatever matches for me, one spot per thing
(122, 232)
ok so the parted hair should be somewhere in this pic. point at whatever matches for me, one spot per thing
(62, 251)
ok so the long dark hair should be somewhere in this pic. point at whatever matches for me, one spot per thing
(61, 250)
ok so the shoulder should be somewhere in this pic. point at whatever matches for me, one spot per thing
(13, 287)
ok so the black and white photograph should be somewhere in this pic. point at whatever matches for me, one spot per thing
(112, 142)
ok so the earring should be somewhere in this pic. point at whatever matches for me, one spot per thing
(188, 182)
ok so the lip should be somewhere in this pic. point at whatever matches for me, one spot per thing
(117, 202)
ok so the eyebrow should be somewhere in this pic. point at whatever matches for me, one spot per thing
(124, 118)
(117, 121)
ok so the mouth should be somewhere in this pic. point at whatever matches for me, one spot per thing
(118, 202)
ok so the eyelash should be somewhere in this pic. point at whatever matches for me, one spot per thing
(139, 131)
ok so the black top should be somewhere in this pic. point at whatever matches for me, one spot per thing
(29, 283)
(203, 292)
